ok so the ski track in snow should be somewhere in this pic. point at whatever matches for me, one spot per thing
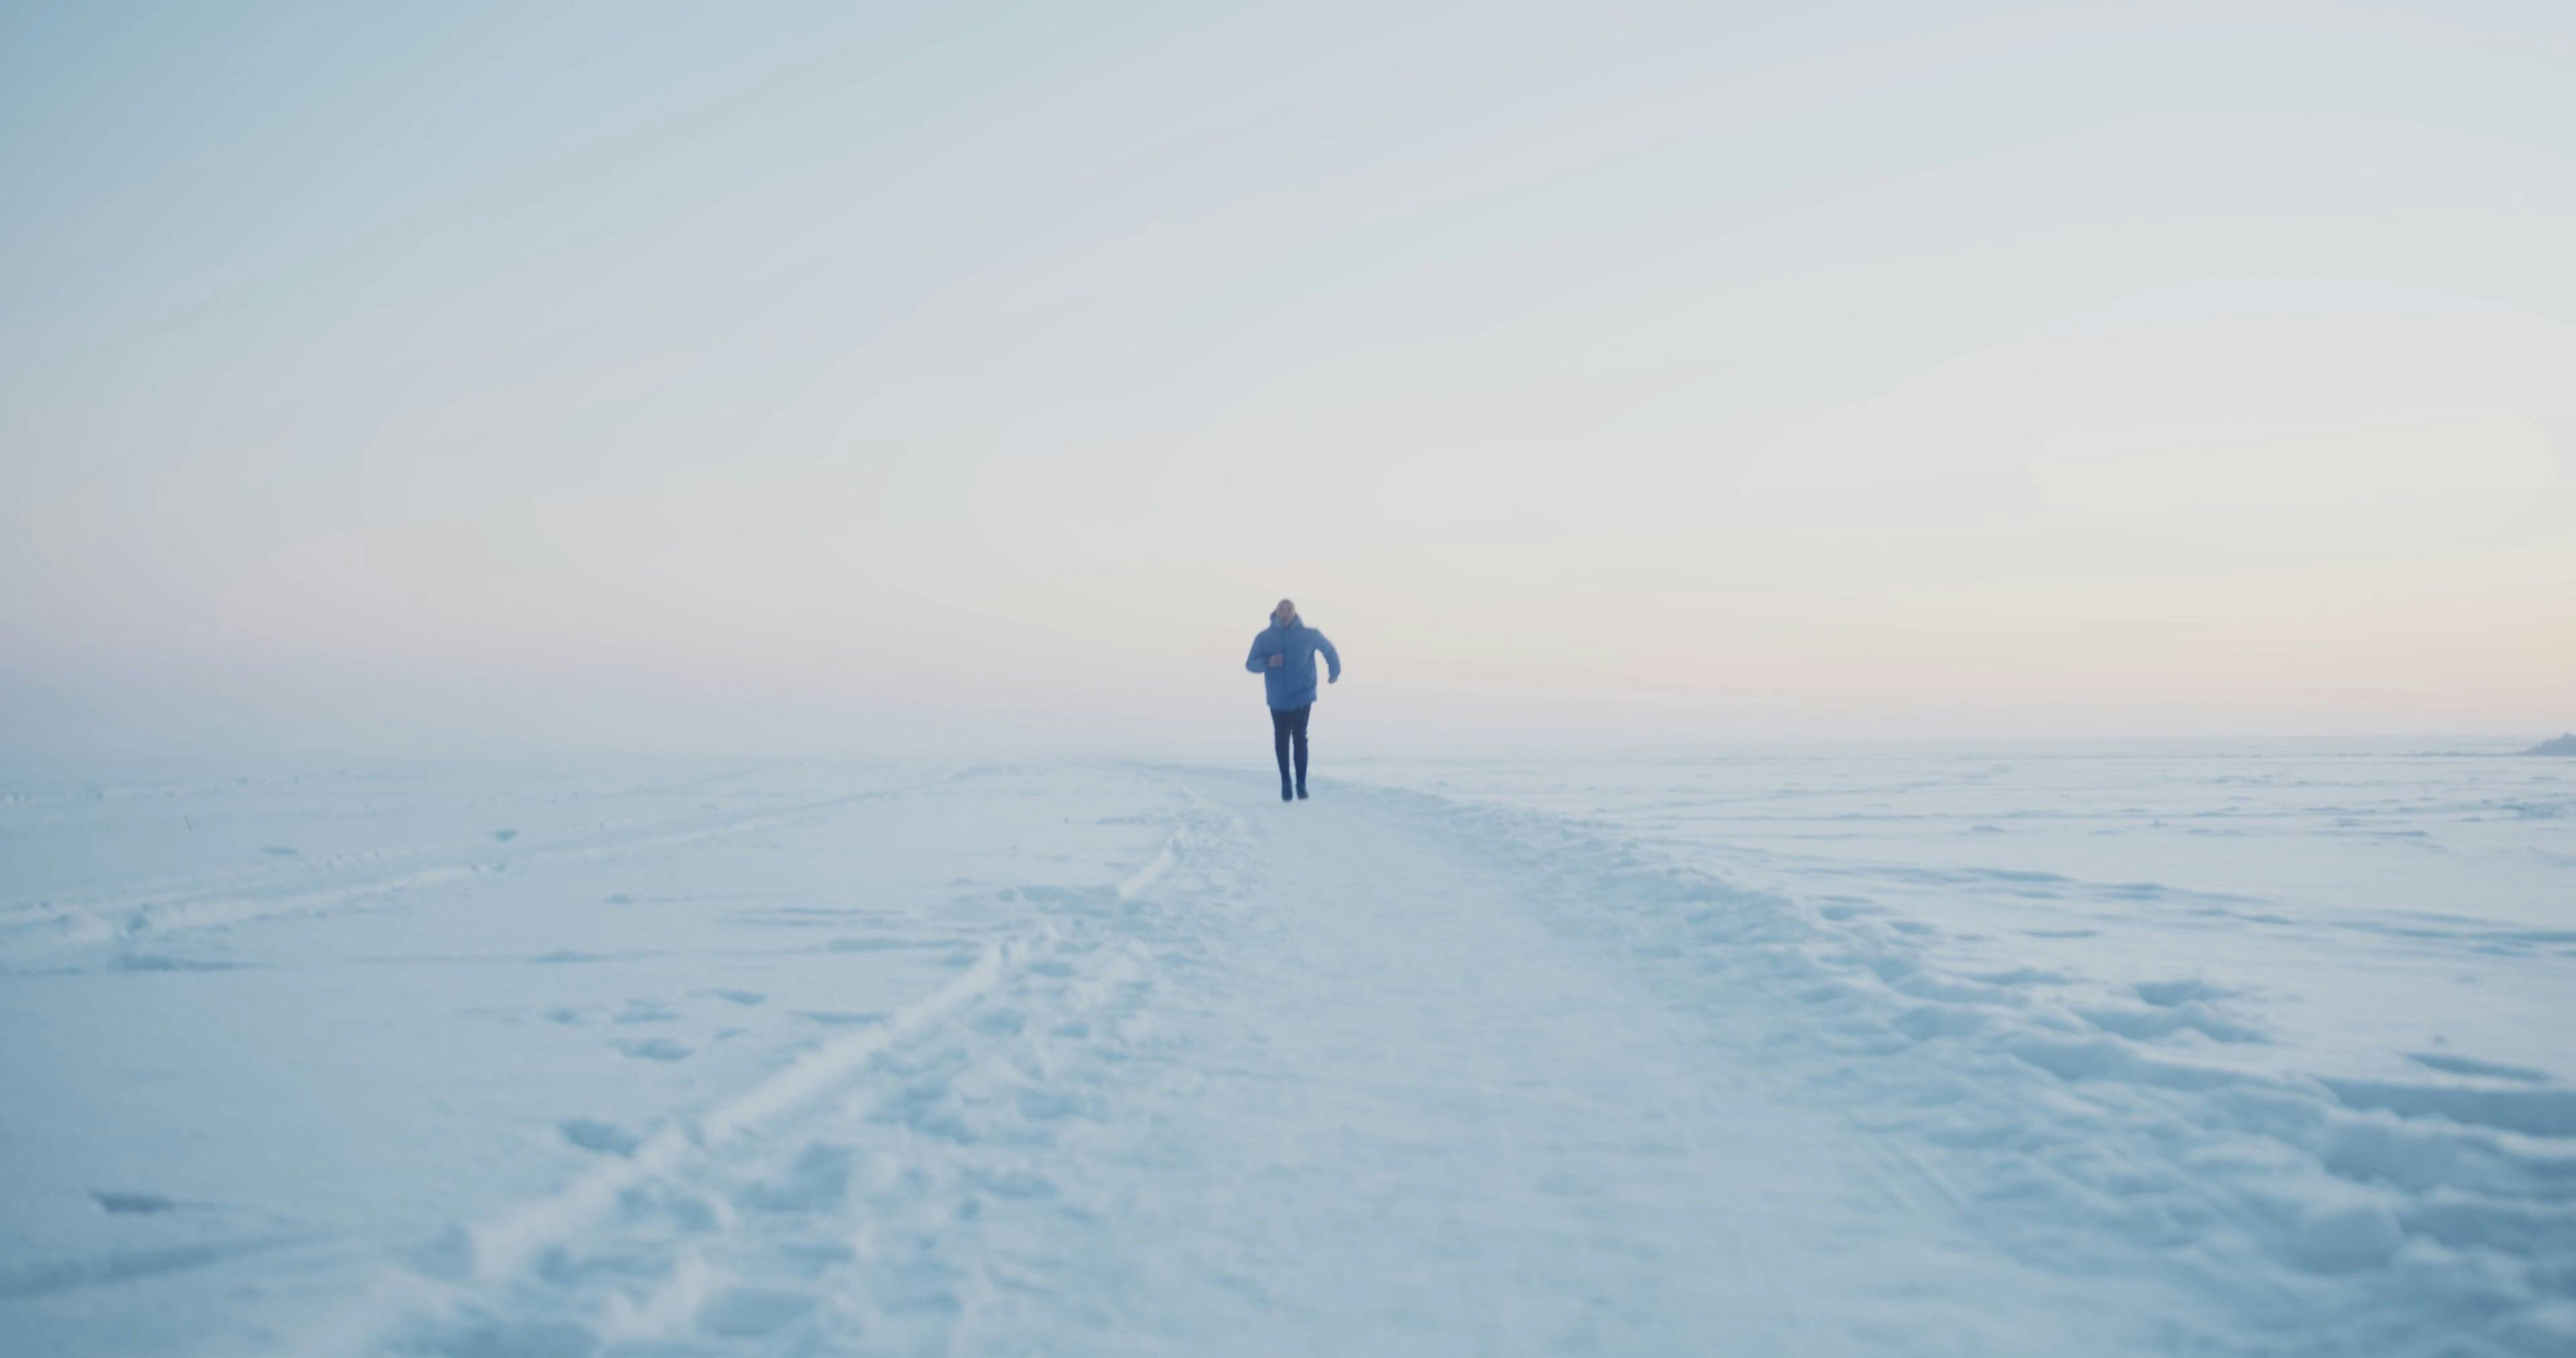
(721, 1225)
(1392, 1072)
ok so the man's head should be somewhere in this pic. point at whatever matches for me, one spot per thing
(1285, 613)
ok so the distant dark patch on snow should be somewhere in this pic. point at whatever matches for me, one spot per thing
(567, 955)
(2565, 745)
(657, 1049)
(745, 998)
(837, 1018)
(278, 849)
(591, 1134)
(505, 836)
(621, 898)
(2469, 1065)
(130, 1204)
(646, 1011)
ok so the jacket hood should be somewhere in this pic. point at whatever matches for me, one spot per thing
(1298, 620)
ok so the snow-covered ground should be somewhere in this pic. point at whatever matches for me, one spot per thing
(2259, 1051)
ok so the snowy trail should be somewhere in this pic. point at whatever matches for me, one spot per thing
(1424, 1123)
(1308, 1081)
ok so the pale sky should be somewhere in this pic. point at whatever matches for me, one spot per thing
(784, 376)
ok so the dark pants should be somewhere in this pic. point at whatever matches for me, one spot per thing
(1287, 729)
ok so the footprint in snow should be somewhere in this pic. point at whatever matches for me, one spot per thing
(2168, 994)
(819, 1180)
(591, 1134)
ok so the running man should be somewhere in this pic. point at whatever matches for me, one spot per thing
(1284, 656)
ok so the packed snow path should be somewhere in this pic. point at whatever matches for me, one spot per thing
(1311, 1080)
(931, 1066)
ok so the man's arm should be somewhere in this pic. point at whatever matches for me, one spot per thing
(1332, 658)
(1252, 662)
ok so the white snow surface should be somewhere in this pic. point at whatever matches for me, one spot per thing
(2223, 1052)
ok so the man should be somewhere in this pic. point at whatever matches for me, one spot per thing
(1284, 656)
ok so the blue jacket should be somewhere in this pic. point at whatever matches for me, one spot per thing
(1292, 684)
